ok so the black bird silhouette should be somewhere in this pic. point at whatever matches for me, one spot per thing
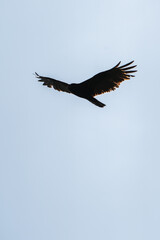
(100, 83)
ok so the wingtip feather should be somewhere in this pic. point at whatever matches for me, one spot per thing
(127, 64)
(117, 64)
(37, 75)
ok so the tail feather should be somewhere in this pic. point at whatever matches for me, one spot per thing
(96, 102)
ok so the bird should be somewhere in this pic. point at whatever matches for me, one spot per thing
(100, 83)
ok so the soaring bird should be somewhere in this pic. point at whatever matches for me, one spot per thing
(100, 83)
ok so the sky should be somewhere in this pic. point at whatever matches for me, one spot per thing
(68, 169)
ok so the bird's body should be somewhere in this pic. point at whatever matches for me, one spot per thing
(80, 90)
(100, 83)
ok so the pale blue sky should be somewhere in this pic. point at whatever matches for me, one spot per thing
(70, 170)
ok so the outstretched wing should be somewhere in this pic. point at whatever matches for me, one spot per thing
(109, 80)
(52, 83)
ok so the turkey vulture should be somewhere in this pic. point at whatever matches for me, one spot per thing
(100, 83)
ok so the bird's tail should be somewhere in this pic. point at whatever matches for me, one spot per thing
(96, 102)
